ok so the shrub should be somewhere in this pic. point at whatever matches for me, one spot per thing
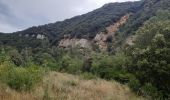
(20, 78)
(88, 76)
(150, 57)
(16, 58)
(111, 67)
(87, 65)
(134, 84)
(71, 65)
(122, 76)
(149, 91)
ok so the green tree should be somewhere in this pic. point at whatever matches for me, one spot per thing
(151, 56)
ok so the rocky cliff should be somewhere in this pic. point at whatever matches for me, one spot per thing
(101, 39)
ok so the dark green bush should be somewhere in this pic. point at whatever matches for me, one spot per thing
(71, 65)
(20, 78)
(134, 84)
(88, 76)
(111, 67)
(149, 91)
(151, 57)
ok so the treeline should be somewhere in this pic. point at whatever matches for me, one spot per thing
(19, 42)
(87, 25)
(148, 9)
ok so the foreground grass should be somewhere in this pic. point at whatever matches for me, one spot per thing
(61, 86)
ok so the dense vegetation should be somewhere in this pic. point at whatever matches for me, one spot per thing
(18, 42)
(147, 9)
(15, 76)
(151, 56)
(144, 66)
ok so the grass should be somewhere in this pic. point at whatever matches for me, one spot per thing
(62, 86)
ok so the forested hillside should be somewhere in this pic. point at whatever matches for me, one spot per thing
(143, 64)
(148, 9)
(87, 25)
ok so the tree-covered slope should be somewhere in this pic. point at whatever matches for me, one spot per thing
(87, 25)
(19, 42)
(149, 8)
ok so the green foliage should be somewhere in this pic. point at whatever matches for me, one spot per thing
(71, 65)
(151, 56)
(15, 74)
(134, 84)
(16, 57)
(148, 9)
(46, 60)
(111, 67)
(156, 25)
(149, 91)
(88, 76)
(19, 42)
(20, 78)
(3, 57)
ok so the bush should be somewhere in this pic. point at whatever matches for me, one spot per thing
(16, 58)
(111, 67)
(134, 84)
(88, 76)
(149, 91)
(122, 76)
(20, 78)
(71, 65)
(151, 57)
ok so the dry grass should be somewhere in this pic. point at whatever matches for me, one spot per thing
(61, 86)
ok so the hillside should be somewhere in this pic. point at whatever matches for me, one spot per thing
(125, 42)
(89, 25)
(83, 26)
(86, 25)
(61, 86)
(149, 8)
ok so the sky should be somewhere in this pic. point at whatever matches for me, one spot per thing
(16, 15)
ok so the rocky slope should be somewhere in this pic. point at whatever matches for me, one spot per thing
(101, 39)
(85, 26)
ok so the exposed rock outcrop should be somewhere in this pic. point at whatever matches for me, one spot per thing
(84, 43)
(101, 39)
(39, 36)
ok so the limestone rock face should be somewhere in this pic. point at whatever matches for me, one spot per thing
(39, 36)
(101, 39)
(84, 43)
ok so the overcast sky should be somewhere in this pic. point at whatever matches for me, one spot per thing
(17, 15)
